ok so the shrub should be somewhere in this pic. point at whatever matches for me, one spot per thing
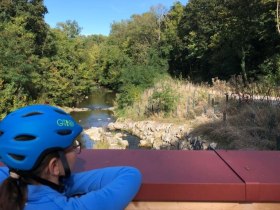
(271, 70)
(142, 76)
(162, 100)
(128, 96)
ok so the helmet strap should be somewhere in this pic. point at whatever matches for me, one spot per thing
(65, 164)
(58, 187)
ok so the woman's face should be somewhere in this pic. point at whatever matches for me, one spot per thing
(55, 167)
(71, 153)
(71, 158)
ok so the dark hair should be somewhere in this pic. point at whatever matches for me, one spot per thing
(13, 192)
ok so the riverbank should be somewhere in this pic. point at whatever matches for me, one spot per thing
(204, 117)
(74, 109)
(151, 135)
(246, 126)
(210, 114)
(156, 135)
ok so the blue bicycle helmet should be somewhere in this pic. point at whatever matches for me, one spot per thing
(29, 133)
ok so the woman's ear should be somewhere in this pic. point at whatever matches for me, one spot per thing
(53, 167)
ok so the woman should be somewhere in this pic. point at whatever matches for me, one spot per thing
(37, 144)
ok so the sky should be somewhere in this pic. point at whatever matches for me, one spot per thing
(96, 16)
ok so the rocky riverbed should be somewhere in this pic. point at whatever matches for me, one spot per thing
(151, 134)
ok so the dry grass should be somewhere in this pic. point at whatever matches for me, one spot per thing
(193, 101)
(201, 107)
(248, 126)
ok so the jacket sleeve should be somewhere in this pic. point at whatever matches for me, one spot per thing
(4, 173)
(109, 188)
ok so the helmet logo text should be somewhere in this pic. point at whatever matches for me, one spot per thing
(64, 122)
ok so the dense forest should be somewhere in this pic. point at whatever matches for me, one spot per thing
(198, 41)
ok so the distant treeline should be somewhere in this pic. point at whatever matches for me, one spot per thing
(198, 41)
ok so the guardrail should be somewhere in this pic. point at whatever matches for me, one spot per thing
(181, 179)
(197, 180)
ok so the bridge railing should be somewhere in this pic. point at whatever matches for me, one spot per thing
(197, 179)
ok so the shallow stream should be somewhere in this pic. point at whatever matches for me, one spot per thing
(100, 115)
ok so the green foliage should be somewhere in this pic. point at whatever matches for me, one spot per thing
(130, 58)
(271, 70)
(223, 38)
(128, 96)
(134, 80)
(67, 75)
(33, 11)
(17, 59)
(139, 76)
(70, 28)
(202, 40)
(163, 100)
(11, 97)
(111, 60)
(136, 36)
(39, 64)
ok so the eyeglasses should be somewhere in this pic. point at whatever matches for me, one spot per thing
(75, 147)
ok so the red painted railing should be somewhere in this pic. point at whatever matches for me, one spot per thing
(222, 176)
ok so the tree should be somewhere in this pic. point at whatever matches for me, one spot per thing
(39, 64)
(171, 43)
(17, 64)
(111, 62)
(17, 57)
(136, 36)
(223, 38)
(199, 30)
(34, 11)
(71, 28)
(67, 77)
(160, 12)
(252, 33)
(37, 25)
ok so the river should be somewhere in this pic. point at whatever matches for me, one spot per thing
(100, 115)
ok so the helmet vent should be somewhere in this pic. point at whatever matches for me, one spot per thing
(17, 157)
(24, 138)
(1, 133)
(32, 114)
(64, 132)
(60, 111)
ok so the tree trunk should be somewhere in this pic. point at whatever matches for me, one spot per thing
(243, 65)
(277, 16)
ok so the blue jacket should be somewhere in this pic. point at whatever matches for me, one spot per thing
(109, 188)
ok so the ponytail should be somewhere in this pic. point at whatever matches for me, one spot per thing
(13, 194)
(13, 190)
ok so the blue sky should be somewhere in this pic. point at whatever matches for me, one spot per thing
(96, 16)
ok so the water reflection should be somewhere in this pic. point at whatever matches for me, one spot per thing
(98, 116)
(93, 118)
